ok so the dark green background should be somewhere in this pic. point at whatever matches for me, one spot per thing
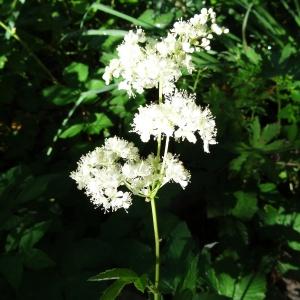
(234, 233)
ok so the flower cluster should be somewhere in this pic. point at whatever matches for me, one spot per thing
(103, 172)
(111, 174)
(144, 63)
(179, 117)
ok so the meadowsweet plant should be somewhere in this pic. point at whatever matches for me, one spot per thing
(110, 175)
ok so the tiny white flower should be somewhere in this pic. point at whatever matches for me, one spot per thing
(179, 117)
(175, 171)
(216, 29)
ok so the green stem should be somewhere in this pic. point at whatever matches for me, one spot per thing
(244, 26)
(156, 237)
(165, 155)
(160, 97)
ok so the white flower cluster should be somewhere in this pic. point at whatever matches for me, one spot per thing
(145, 63)
(179, 117)
(104, 172)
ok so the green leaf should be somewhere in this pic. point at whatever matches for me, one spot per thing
(37, 259)
(72, 131)
(287, 51)
(109, 10)
(295, 95)
(60, 95)
(269, 215)
(101, 122)
(81, 71)
(252, 55)
(274, 146)
(251, 287)
(113, 291)
(34, 188)
(32, 235)
(269, 132)
(246, 205)
(147, 16)
(141, 283)
(191, 277)
(267, 187)
(255, 132)
(3, 60)
(163, 20)
(117, 273)
(237, 163)
(292, 132)
(226, 284)
(286, 267)
(179, 238)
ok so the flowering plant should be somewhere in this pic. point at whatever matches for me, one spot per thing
(113, 173)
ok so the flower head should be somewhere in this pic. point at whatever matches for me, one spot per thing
(105, 172)
(144, 63)
(179, 117)
(98, 173)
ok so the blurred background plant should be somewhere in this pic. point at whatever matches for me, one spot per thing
(233, 234)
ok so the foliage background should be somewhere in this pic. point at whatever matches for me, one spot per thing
(234, 233)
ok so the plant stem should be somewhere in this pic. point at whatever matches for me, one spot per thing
(245, 21)
(153, 206)
(160, 96)
(156, 237)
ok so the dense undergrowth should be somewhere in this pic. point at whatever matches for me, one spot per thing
(234, 233)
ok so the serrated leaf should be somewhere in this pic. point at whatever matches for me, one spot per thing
(252, 55)
(237, 163)
(102, 121)
(246, 205)
(269, 132)
(79, 70)
(274, 146)
(141, 283)
(72, 131)
(255, 132)
(287, 51)
(117, 273)
(286, 267)
(113, 291)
